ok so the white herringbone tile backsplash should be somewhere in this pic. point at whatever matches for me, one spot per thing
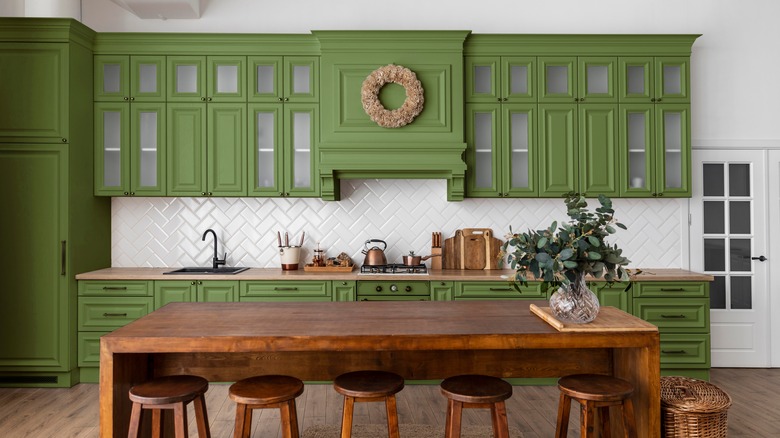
(163, 232)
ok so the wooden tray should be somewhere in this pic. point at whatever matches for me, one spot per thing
(311, 268)
(610, 319)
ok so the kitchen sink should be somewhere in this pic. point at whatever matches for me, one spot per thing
(220, 270)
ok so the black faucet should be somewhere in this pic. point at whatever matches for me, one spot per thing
(216, 261)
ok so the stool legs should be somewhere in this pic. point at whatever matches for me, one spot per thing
(179, 418)
(587, 417)
(391, 408)
(455, 414)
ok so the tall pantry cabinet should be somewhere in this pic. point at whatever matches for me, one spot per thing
(52, 226)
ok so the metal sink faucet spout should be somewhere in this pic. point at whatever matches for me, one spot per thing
(215, 261)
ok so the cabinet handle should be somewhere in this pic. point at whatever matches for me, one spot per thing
(673, 351)
(672, 289)
(505, 99)
(114, 314)
(114, 287)
(499, 99)
(285, 288)
(658, 100)
(343, 283)
(63, 257)
(132, 193)
(500, 289)
(673, 316)
(209, 99)
(203, 193)
(192, 283)
(200, 282)
(210, 193)
(652, 99)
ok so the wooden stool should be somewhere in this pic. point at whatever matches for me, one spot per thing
(263, 392)
(170, 392)
(369, 386)
(476, 391)
(594, 391)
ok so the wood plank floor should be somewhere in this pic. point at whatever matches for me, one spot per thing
(73, 412)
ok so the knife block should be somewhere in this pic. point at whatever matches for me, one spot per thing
(436, 261)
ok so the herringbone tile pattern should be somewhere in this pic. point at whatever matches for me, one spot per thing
(161, 232)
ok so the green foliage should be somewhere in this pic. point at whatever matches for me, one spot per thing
(557, 255)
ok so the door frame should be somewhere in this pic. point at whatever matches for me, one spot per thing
(773, 218)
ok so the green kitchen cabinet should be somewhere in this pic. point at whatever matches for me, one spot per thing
(283, 159)
(442, 290)
(500, 79)
(287, 290)
(195, 291)
(122, 78)
(206, 149)
(655, 150)
(614, 295)
(502, 150)
(491, 290)
(55, 227)
(654, 79)
(578, 149)
(344, 290)
(567, 79)
(130, 149)
(288, 79)
(218, 79)
(34, 85)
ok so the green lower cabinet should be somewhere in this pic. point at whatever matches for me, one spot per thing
(344, 290)
(269, 290)
(442, 290)
(492, 290)
(615, 296)
(187, 291)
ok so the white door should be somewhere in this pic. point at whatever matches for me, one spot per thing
(774, 252)
(728, 236)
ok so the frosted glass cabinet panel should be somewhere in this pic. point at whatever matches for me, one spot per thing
(206, 79)
(557, 79)
(130, 149)
(597, 78)
(519, 159)
(129, 78)
(504, 79)
(300, 128)
(482, 153)
(289, 79)
(654, 80)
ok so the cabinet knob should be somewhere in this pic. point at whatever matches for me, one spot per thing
(658, 100)
(126, 193)
(210, 193)
(203, 99)
(286, 99)
(209, 99)
(505, 99)
(132, 98)
(132, 193)
(281, 99)
(660, 194)
(200, 282)
(343, 283)
(64, 140)
(499, 99)
(203, 193)
(652, 99)
(192, 283)
(125, 98)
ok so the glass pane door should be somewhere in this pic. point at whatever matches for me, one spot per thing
(111, 78)
(482, 79)
(226, 79)
(557, 79)
(300, 128)
(111, 141)
(483, 137)
(300, 79)
(148, 149)
(518, 79)
(636, 80)
(672, 80)
(265, 80)
(147, 78)
(186, 78)
(519, 140)
(597, 79)
(637, 165)
(264, 133)
(673, 141)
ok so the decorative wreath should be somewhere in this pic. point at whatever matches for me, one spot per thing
(412, 107)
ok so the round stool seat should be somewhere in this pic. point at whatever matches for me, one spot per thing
(368, 384)
(595, 387)
(474, 388)
(265, 390)
(168, 389)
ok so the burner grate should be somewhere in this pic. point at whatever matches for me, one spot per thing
(394, 268)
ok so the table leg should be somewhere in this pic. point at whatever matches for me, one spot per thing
(642, 367)
(118, 372)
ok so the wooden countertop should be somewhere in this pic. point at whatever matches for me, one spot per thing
(433, 275)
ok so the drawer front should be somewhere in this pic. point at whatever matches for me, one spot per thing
(389, 289)
(89, 348)
(116, 288)
(674, 315)
(685, 350)
(283, 299)
(101, 314)
(671, 289)
(498, 289)
(285, 289)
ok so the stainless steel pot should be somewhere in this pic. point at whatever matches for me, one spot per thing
(414, 260)
(375, 256)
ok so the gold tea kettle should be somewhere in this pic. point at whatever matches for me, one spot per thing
(374, 255)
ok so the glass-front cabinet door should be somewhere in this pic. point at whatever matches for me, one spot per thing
(518, 135)
(300, 142)
(200, 79)
(597, 79)
(636, 83)
(290, 79)
(265, 131)
(672, 80)
(129, 149)
(654, 80)
(557, 79)
(673, 153)
(483, 136)
(186, 78)
(129, 78)
(483, 79)
(492, 79)
(226, 80)
(637, 163)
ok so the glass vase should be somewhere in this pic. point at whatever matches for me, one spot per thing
(575, 303)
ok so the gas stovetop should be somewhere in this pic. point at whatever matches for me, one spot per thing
(394, 268)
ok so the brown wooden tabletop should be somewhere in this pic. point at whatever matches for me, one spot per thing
(416, 339)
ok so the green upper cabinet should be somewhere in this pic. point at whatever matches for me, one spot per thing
(121, 78)
(654, 79)
(34, 88)
(216, 79)
(506, 79)
(282, 159)
(655, 150)
(577, 79)
(558, 155)
(501, 152)
(207, 149)
(289, 79)
(130, 149)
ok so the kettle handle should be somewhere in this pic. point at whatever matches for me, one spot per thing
(376, 240)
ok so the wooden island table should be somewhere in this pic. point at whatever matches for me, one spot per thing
(224, 342)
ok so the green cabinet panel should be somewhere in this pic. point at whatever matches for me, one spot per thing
(293, 79)
(558, 155)
(116, 288)
(226, 151)
(130, 149)
(650, 79)
(344, 290)
(597, 79)
(89, 348)
(108, 313)
(598, 150)
(121, 78)
(686, 350)
(206, 79)
(393, 290)
(483, 153)
(637, 150)
(689, 315)
(615, 296)
(286, 291)
(201, 291)
(480, 290)
(186, 142)
(283, 156)
(671, 289)
(507, 79)
(442, 290)
(218, 291)
(34, 85)
(557, 79)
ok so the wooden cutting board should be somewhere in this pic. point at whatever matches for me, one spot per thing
(452, 251)
(493, 246)
(473, 254)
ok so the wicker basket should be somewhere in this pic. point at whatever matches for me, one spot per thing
(693, 408)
